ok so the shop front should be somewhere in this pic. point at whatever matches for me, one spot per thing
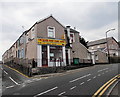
(51, 52)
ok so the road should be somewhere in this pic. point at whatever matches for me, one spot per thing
(83, 81)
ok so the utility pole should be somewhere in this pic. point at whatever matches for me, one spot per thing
(108, 44)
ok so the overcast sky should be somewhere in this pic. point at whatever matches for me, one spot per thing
(91, 19)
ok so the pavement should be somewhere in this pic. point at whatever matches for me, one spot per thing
(82, 81)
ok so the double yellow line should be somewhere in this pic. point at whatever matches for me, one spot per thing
(17, 71)
(101, 90)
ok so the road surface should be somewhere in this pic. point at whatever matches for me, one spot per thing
(83, 81)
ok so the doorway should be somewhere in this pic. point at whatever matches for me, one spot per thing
(44, 56)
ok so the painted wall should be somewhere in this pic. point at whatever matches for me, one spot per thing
(42, 28)
(102, 57)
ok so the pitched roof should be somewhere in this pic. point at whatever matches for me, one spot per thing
(48, 18)
(73, 30)
(100, 41)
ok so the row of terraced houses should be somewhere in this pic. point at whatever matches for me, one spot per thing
(50, 43)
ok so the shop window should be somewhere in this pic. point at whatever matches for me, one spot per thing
(51, 32)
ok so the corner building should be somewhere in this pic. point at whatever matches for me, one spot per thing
(45, 42)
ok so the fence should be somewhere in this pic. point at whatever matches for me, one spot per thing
(114, 59)
(22, 65)
(28, 67)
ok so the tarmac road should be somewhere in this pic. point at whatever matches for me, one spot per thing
(83, 81)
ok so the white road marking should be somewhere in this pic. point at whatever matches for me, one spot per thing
(36, 79)
(28, 81)
(79, 78)
(94, 77)
(5, 72)
(46, 91)
(61, 93)
(82, 83)
(99, 74)
(10, 86)
(72, 87)
(23, 85)
(14, 81)
(88, 80)
(102, 69)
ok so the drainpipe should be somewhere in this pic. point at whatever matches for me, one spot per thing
(68, 42)
(24, 45)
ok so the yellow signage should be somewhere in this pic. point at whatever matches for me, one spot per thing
(51, 42)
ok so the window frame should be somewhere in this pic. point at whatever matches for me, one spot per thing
(53, 31)
(73, 37)
(32, 32)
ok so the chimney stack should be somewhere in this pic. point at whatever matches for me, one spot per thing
(68, 31)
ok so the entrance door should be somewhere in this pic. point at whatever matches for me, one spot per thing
(44, 56)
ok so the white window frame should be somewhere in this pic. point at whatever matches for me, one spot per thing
(73, 37)
(32, 33)
(21, 40)
(98, 46)
(92, 48)
(53, 31)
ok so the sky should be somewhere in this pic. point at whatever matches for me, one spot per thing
(91, 19)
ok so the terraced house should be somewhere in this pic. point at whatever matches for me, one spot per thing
(49, 43)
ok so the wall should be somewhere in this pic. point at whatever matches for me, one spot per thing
(31, 46)
(80, 50)
(102, 58)
(42, 28)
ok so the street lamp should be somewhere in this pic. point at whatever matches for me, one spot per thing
(107, 44)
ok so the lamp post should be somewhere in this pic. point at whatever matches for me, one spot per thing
(107, 44)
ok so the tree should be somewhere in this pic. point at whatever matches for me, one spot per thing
(83, 41)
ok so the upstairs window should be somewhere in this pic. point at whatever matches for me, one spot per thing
(72, 38)
(21, 40)
(51, 32)
(33, 33)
